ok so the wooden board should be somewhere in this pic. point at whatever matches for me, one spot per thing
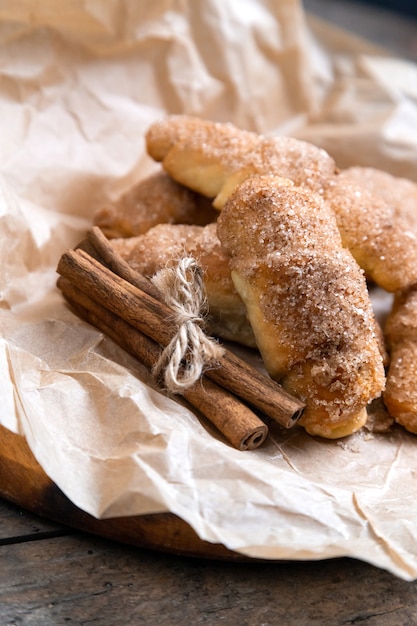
(23, 481)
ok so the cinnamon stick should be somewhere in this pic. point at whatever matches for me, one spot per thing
(277, 403)
(119, 266)
(154, 319)
(240, 426)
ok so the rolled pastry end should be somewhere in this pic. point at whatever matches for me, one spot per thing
(339, 430)
(307, 302)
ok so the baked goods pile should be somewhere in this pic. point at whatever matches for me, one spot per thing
(287, 262)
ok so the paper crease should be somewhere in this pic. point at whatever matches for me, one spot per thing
(82, 81)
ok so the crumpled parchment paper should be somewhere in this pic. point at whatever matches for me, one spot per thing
(81, 82)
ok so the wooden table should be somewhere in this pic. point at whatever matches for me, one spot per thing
(52, 574)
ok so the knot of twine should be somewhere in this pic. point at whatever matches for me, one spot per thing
(182, 362)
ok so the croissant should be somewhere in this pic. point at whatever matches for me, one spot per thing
(214, 158)
(377, 217)
(306, 299)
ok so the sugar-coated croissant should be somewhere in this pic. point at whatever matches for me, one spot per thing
(377, 217)
(213, 158)
(306, 299)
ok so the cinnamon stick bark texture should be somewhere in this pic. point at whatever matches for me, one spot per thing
(119, 266)
(127, 307)
(239, 425)
(148, 314)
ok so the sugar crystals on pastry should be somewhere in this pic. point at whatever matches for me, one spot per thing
(377, 217)
(214, 158)
(399, 193)
(306, 300)
(400, 396)
(157, 199)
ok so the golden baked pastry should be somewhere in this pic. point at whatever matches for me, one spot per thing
(213, 158)
(377, 217)
(306, 300)
(400, 396)
(156, 199)
(165, 244)
(399, 193)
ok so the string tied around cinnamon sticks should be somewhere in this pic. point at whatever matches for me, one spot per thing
(105, 291)
(183, 360)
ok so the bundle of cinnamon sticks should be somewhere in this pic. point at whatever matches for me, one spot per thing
(104, 290)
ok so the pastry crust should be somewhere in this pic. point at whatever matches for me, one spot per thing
(157, 199)
(400, 396)
(214, 158)
(165, 244)
(399, 193)
(377, 217)
(306, 299)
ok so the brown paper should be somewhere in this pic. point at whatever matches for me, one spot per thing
(81, 83)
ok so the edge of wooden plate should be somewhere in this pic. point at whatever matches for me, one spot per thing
(24, 482)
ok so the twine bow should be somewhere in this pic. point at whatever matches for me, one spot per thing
(182, 362)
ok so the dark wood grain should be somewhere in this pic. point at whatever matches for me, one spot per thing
(55, 576)
(83, 579)
(18, 525)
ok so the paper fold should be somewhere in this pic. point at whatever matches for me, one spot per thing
(82, 82)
